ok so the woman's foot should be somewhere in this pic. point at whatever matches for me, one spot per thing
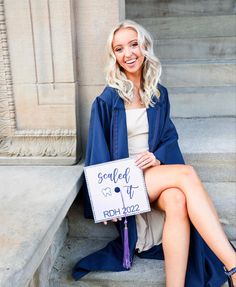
(232, 276)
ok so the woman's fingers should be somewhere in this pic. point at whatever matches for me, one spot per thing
(146, 159)
(140, 157)
(113, 220)
(116, 219)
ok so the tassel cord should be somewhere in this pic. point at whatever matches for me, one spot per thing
(126, 255)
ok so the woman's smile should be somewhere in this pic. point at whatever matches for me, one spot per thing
(129, 62)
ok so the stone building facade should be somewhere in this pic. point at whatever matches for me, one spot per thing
(50, 70)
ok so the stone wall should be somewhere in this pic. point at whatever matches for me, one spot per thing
(51, 68)
(38, 82)
(94, 20)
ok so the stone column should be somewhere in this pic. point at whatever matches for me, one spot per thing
(51, 69)
(94, 20)
(38, 82)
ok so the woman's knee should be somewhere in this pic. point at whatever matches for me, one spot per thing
(187, 176)
(188, 171)
(174, 203)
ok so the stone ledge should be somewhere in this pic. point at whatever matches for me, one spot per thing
(34, 202)
(136, 8)
(189, 26)
(203, 102)
(207, 135)
(209, 145)
(144, 272)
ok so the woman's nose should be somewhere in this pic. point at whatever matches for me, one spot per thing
(128, 52)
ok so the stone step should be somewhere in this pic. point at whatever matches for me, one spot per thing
(203, 102)
(83, 228)
(34, 202)
(144, 272)
(209, 145)
(190, 26)
(211, 48)
(223, 195)
(153, 8)
(198, 74)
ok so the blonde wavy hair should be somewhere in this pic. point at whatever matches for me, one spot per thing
(116, 78)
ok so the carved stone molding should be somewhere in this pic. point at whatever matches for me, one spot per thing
(7, 108)
(43, 143)
(48, 146)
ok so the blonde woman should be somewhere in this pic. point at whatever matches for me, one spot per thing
(131, 118)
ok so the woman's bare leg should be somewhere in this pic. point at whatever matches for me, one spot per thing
(176, 235)
(200, 208)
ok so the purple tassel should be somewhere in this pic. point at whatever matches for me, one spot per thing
(126, 256)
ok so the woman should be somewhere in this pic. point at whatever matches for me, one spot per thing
(131, 118)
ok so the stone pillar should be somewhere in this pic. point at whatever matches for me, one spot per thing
(94, 20)
(51, 69)
(38, 82)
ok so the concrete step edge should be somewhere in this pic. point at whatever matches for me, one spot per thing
(190, 26)
(201, 49)
(157, 19)
(202, 89)
(176, 62)
(38, 196)
(178, 8)
(143, 271)
(203, 102)
(198, 74)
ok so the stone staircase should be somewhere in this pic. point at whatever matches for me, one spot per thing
(196, 43)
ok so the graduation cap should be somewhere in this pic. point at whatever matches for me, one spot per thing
(117, 189)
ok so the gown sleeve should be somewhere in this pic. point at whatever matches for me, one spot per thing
(97, 150)
(168, 151)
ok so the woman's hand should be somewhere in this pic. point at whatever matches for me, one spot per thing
(146, 159)
(113, 220)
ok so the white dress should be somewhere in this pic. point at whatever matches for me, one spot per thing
(150, 224)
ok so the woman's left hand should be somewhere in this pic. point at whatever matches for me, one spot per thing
(146, 159)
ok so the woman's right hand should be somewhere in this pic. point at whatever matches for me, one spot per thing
(113, 220)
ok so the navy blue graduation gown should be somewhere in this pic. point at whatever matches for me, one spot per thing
(107, 140)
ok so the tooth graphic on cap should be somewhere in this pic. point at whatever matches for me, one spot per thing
(106, 191)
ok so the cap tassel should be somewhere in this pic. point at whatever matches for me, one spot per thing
(126, 255)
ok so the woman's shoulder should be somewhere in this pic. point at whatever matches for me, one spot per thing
(108, 96)
(163, 95)
(162, 89)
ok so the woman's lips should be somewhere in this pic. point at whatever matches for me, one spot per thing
(131, 61)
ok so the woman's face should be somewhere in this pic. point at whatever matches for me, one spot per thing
(127, 51)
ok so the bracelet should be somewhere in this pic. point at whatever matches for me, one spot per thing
(230, 272)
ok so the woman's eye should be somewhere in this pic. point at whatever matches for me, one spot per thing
(135, 44)
(118, 50)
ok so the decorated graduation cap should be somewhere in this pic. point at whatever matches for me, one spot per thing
(117, 189)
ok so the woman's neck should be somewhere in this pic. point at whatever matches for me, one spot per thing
(135, 79)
